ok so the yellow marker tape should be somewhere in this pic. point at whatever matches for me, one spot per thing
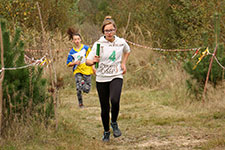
(45, 61)
(204, 53)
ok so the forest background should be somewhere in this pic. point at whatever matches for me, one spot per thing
(165, 24)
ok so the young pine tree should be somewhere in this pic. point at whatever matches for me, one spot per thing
(200, 73)
(24, 90)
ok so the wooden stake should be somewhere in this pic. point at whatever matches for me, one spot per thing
(43, 30)
(207, 78)
(51, 67)
(214, 54)
(53, 83)
(1, 80)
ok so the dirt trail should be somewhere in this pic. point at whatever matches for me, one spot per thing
(145, 123)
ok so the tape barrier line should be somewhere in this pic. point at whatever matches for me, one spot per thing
(35, 62)
(205, 53)
(164, 50)
(202, 55)
(35, 50)
(22, 67)
(218, 62)
(135, 44)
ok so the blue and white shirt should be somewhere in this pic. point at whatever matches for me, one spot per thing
(80, 54)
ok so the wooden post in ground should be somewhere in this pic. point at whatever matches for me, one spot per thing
(216, 17)
(1, 81)
(51, 67)
(207, 78)
(53, 84)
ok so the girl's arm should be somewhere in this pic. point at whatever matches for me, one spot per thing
(73, 63)
(90, 62)
(124, 60)
(94, 69)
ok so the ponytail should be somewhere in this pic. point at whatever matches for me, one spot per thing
(71, 32)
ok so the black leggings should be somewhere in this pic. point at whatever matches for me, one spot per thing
(109, 90)
(85, 87)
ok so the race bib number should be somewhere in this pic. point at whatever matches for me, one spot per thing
(112, 57)
(108, 69)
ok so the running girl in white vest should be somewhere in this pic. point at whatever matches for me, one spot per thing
(76, 59)
(114, 52)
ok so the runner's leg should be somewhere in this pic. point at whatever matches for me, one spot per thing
(115, 93)
(78, 79)
(87, 83)
(103, 93)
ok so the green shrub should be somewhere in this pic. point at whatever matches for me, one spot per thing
(24, 90)
(200, 73)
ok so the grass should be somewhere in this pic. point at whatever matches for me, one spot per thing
(145, 120)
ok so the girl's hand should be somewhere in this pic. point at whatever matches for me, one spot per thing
(77, 62)
(96, 59)
(94, 70)
(92, 62)
(123, 66)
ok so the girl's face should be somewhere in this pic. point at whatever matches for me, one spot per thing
(76, 40)
(109, 32)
